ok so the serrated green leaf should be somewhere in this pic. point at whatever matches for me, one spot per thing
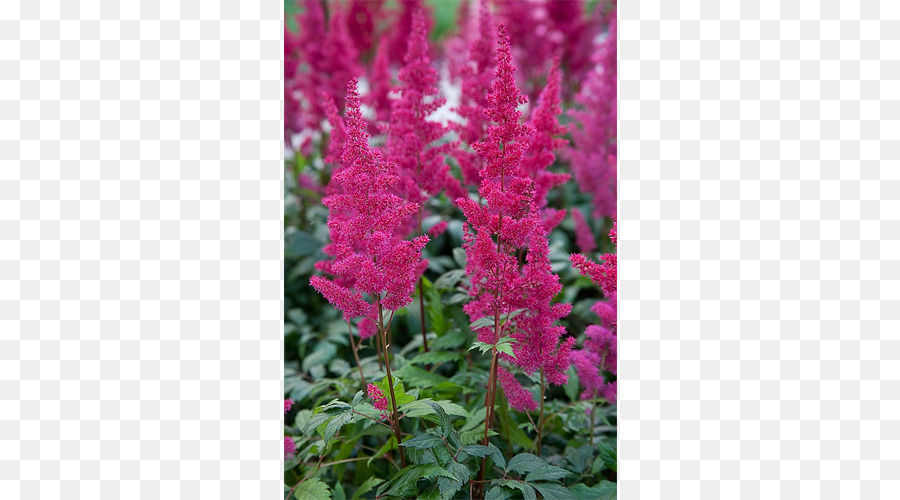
(314, 422)
(424, 441)
(481, 450)
(335, 425)
(605, 490)
(446, 425)
(404, 482)
(506, 348)
(554, 491)
(366, 487)
(547, 473)
(526, 489)
(357, 398)
(399, 391)
(484, 322)
(498, 493)
(338, 492)
(312, 489)
(524, 463)
(607, 455)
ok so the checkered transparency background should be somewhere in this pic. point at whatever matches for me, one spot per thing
(759, 225)
(140, 250)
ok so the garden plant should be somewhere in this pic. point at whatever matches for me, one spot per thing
(450, 249)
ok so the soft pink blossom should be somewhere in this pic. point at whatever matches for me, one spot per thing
(290, 448)
(379, 401)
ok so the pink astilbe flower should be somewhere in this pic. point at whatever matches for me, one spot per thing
(508, 222)
(287, 405)
(338, 131)
(420, 168)
(380, 88)
(543, 142)
(437, 229)
(518, 397)
(594, 128)
(290, 448)
(600, 350)
(379, 400)
(329, 58)
(398, 39)
(362, 19)
(369, 261)
(584, 237)
(475, 86)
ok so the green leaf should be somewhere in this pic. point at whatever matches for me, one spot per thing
(424, 441)
(450, 340)
(547, 473)
(554, 491)
(335, 425)
(357, 398)
(524, 463)
(580, 457)
(321, 355)
(607, 455)
(449, 279)
(366, 487)
(446, 425)
(481, 323)
(506, 348)
(417, 377)
(434, 309)
(498, 493)
(390, 444)
(338, 492)
(605, 490)
(404, 482)
(478, 450)
(314, 422)
(399, 391)
(525, 488)
(434, 358)
(312, 489)
(448, 487)
(459, 255)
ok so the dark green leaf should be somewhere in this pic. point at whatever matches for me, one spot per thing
(459, 255)
(604, 491)
(524, 463)
(498, 493)
(527, 491)
(434, 309)
(554, 491)
(417, 377)
(580, 457)
(446, 425)
(366, 487)
(434, 358)
(608, 455)
(484, 322)
(478, 450)
(404, 482)
(338, 492)
(547, 473)
(424, 441)
(450, 340)
(449, 279)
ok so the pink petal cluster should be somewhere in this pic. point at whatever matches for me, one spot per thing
(477, 75)
(379, 400)
(543, 142)
(509, 222)
(369, 263)
(290, 448)
(594, 128)
(287, 405)
(600, 351)
(318, 60)
(421, 169)
(584, 236)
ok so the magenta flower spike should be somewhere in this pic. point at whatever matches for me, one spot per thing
(508, 222)
(594, 129)
(543, 143)
(421, 168)
(369, 263)
(600, 351)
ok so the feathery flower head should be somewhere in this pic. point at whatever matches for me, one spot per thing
(584, 236)
(518, 397)
(287, 405)
(368, 258)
